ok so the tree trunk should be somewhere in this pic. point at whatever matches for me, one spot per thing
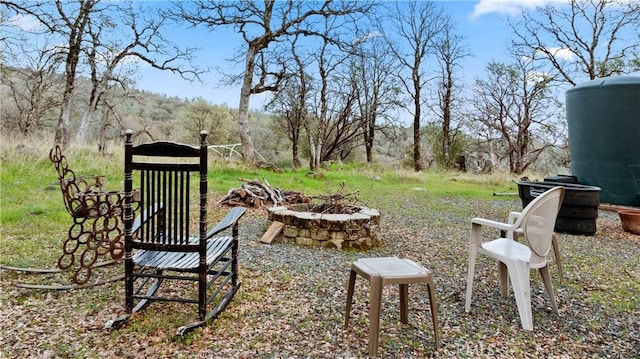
(369, 133)
(294, 156)
(446, 120)
(446, 134)
(417, 93)
(243, 110)
(62, 128)
(312, 154)
(417, 160)
(294, 150)
(83, 131)
(102, 134)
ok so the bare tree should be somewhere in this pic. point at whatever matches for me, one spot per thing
(449, 51)
(374, 77)
(334, 127)
(84, 25)
(263, 27)
(290, 117)
(32, 85)
(416, 24)
(290, 102)
(215, 120)
(117, 45)
(515, 111)
(71, 22)
(596, 38)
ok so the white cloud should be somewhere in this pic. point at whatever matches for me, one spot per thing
(506, 7)
(24, 22)
(367, 37)
(537, 76)
(561, 53)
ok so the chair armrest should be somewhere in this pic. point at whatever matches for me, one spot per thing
(493, 224)
(506, 230)
(229, 220)
(513, 216)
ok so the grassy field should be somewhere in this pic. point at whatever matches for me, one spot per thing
(30, 197)
(291, 301)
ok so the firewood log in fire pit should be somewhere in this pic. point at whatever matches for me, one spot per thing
(337, 203)
(254, 193)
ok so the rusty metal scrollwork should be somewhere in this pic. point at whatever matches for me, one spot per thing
(97, 229)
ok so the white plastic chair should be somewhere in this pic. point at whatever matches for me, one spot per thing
(535, 223)
(513, 216)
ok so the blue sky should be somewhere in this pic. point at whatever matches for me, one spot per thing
(481, 22)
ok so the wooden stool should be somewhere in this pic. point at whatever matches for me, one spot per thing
(390, 270)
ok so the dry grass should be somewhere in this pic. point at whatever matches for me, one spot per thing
(292, 300)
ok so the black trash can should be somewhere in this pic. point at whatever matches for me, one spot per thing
(579, 209)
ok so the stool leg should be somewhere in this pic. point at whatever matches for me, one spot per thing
(404, 303)
(434, 313)
(352, 283)
(374, 314)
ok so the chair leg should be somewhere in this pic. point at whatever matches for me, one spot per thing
(519, 274)
(556, 254)
(351, 285)
(546, 279)
(128, 283)
(374, 314)
(404, 303)
(202, 290)
(503, 279)
(470, 274)
(143, 303)
(434, 313)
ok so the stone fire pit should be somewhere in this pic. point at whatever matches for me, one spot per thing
(342, 231)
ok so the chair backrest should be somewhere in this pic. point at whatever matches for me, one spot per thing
(538, 222)
(167, 176)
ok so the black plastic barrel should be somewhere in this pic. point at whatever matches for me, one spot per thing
(562, 179)
(603, 116)
(579, 209)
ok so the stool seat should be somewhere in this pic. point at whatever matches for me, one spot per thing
(384, 271)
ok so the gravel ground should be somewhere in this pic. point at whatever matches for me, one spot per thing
(291, 304)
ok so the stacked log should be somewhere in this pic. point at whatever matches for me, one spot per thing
(254, 193)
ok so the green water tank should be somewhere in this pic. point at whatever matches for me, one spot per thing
(603, 116)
